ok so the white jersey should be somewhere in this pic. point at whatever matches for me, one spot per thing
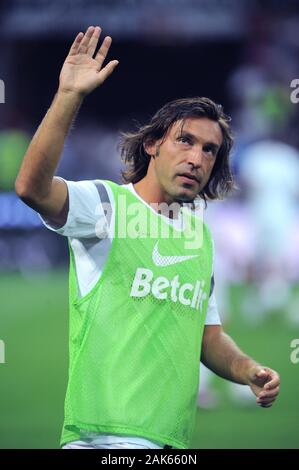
(91, 248)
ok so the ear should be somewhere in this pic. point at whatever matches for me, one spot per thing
(151, 148)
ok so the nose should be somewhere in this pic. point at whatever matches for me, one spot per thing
(195, 157)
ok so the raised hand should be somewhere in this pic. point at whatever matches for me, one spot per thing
(81, 73)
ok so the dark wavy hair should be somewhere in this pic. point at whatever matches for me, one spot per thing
(137, 159)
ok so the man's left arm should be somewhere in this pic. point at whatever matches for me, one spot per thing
(221, 354)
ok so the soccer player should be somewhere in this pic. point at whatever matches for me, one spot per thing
(142, 307)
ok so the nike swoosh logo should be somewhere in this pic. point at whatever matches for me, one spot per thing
(161, 260)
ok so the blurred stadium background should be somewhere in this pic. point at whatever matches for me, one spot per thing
(244, 55)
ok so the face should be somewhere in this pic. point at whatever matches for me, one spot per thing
(183, 162)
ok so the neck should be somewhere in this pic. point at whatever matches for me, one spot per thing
(152, 193)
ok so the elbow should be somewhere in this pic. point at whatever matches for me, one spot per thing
(22, 190)
(30, 195)
(25, 192)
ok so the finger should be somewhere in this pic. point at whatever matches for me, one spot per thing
(101, 55)
(269, 393)
(75, 46)
(265, 401)
(108, 69)
(94, 41)
(266, 406)
(85, 41)
(273, 383)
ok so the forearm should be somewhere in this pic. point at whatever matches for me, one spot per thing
(221, 354)
(42, 157)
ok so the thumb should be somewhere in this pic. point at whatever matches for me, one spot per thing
(108, 69)
(261, 373)
(260, 376)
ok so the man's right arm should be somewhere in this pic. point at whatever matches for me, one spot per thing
(35, 183)
(80, 74)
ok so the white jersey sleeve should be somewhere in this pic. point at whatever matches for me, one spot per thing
(212, 317)
(85, 214)
(87, 230)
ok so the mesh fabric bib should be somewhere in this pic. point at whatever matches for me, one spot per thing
(135, 339)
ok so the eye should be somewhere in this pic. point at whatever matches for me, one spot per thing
(184, 139)
(210, 149)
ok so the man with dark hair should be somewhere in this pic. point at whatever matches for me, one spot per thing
(142, 307)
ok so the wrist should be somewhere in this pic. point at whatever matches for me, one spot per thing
(243, 368)
(70, 95)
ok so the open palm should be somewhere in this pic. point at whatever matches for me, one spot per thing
(81, 73)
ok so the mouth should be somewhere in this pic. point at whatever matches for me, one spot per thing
(188, 178)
